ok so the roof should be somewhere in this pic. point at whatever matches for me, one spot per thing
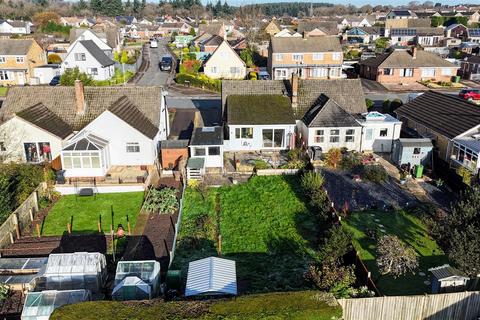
(330, 27)
(404, 59)
(416, 142)
(473, 59)
(10, 47)
(212, 28)
(128, 112)
(455, 25)
(207, 136)
(211, 276)
(17, 23)
(97, 53)
(403, 13)
(446, 271)
(474, 32)
(327, 113)
(418, 23)
(196, 163)
(214, 40)
(259, 109)
(308, 44)
(45, 119)
(445, 114)
(85, 141)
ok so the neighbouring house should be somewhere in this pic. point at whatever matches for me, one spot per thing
(317, 28)
(401, 15)
(448, 279)
(211, 44)
(126, 20)
(272, 28)
(175, 27)
(407, 66)
(421, 36)
(212, 29)
(18, 59)
(85, 131)
(452, 124)
(413, 151)
(474, 35)
(404, 19)
(287, 33)
(356, 21)
(225, 63)
(206, 152)
(307, 56)
(15, 27)
(458, 31)
(100, 39)
(362, 35)
(90, 59)
(470, 68)
(77, 22)
(259, 122)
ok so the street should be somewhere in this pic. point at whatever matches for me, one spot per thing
(154, 76)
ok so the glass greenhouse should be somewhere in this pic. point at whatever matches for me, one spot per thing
(136, 280)
(40, 305)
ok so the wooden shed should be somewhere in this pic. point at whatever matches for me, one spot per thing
(448, 279)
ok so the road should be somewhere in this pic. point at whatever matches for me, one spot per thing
(153, 76)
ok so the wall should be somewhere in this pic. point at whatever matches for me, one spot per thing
(257, 142)
(211, 161)
(223, 59)
(327, 145)
(380, 144)
(171, 157)
(104, 73)
(459, 305)
(417, 76)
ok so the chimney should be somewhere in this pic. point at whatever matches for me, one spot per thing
(80, 97)
(305, 35)
(294, 91)
(414, 53)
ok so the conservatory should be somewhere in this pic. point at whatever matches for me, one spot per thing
(40, 305)
(80, 270)
(136, 280)
(86, 155)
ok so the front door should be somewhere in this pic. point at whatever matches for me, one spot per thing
(20, 78)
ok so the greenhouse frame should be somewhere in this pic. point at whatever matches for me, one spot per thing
(40, 305)
(136, 280)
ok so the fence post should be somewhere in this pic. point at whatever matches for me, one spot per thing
(11, 238)
(31, 214)
(38, 230)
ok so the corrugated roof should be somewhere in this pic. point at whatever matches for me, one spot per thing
(404, 59)
(42, 117)
(259, 109)
(97, 53)
(211, 276)
(12, 47)
(446, 271)
(303, 45)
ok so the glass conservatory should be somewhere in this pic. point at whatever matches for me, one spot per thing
(136, 280)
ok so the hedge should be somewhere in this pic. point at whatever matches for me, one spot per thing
(200, 81)
(281, 305)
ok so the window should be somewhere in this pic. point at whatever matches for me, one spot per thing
(133, 147)
(383, 132)
(4, 75)
(318, 56)
(369, 134)
(199, 152)
(279, 56)
(79, 160)
(320, 72)
(3, 59)
(388, 71)
(2, 146)
(350, 135)
(213, 69)
(244, 133)
(428, 72)
(234, 70)
(336, 56)
(273, 138)
(280, 73)
(335, 72)
(19, 59)
(408, 72)
(37, 151)
(446, 72)
(334, 136)
(298, 57)
(416, 150)
(213, 151)
(80, 57)
(318, 137)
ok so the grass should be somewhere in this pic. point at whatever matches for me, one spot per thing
(3, 91)
(410, 230)
(264, 225)
(286, 305)
(86, 211)
(117, 79)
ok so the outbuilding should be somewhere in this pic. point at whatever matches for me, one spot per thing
(447, 279)
(413, 151)
(211, 276)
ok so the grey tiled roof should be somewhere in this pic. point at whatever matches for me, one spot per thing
(45, 119)
(327, 113)
(302, 45)
(97, 53)
(128, 112)
(61, 101)
(207, 136)
(330, 27)
(15, 47)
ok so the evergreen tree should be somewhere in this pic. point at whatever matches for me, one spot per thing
(144, 3)
(217, 10)
(82, 5)
(96, 6)
(136, 6)
(128, 6)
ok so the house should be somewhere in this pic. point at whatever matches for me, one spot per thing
(175, 27)
(146, 22)
(90, 59)
(355, 21)
(183, 41)
(225, 63)
(473, 35)
(212, 29)
(452, 124)
(211, 44)
(259, 122)
(15, 27)
(18, 58)
(85, 131)
(126, 20)
(362, 35)
(401, 14)
(307, 56)
(470, 68)
(287, 33)
(404, 19)
(206, 151)
(456, 30)
(421, 36)
(317, 28)
(407, 66)
(272, 28)
(448, 279)
(100, 40)
(413, 151)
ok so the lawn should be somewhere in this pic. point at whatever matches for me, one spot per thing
(410, 230)
(264, 225)
(86, 212)
(3, 91)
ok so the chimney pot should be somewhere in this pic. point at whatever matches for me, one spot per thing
(80, 97)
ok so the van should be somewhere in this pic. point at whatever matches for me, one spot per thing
(153, 44)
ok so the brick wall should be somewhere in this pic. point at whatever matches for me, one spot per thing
(169, 158)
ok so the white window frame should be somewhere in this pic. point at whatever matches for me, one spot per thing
(19, 59)
(3, 59)
(428, 72)
(334, 133)
(272, 145)
(278, 56)
(241, 134)
(234, 70)
(281, 73)
(350, 134)
(4, 75)
(213, 69)
(80, 56)
(318, 56)
(320, 72)
(297, 57)
(406, 72)
(446, 72)
(336, 56)
(132, 147)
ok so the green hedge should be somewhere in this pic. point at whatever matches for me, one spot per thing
(281, 305)
(200, 81)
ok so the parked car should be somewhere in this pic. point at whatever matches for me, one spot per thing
(153, 43)
(263, 75)
(469, 94)
(166, 63)
(55, 81)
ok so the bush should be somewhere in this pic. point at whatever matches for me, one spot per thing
(70, 75)
(261, 165)
(386, 106)
(312, 182)
(252, 75)
(296, 160)
(163, 200)
(375, 173)
(394, 105)
(369, 103)
(333, 157)
(54, 58)
(351, 160)
(199, 81)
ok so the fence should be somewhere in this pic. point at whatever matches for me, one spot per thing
(276, 172)
(459, 305)
(20, 218)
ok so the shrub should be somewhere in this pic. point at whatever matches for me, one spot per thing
(369, 103)
(252, 75)
(312, 182)
(333, 157)
(395, 104)
(386, 106)
(70, 75)
(199, 81)
(54, 58)
(375, 173)
(296, 160)
(261, 165)
(351, 160)
(163, 200)
(4, 291)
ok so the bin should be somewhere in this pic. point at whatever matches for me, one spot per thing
(418, 171)
(174, 279)
(456, 79)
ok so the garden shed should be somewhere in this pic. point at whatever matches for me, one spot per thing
(79, 270)
(40, 305)
(415, 151)
(448, 279)
(136, 280)
(211, 276)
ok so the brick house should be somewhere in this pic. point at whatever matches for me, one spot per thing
(470, 68)
(407, 66)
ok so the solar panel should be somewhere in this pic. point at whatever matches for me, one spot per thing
(475, 32)
(403, 32)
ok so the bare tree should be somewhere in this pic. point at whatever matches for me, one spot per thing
(394, 257)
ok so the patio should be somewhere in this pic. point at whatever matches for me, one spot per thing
(245, 162)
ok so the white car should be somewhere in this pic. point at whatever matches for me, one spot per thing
(153, 44)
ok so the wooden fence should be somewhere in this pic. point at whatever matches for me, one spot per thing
(459, 305)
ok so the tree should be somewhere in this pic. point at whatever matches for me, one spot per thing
(54, 58)
(337, 244)
(82, 5)
(370, 104)
(70, 75)
(136, 6)
(247, 57)
(333, 157)
(381, 43)
(42, 18)
(394, 257)
(192, 32)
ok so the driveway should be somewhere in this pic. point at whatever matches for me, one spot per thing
(153, 76)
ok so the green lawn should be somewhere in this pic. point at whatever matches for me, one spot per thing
(265, 226)
(3, 91)
(410, 230)
(86, 212)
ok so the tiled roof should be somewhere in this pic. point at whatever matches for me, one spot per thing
(302, 45)
(330, 27)
(45, 119)
(61, 101)
(97, 53)
(327, 113)
(11, 47)
(418, 23)
(404, 59)
(213, 41)
(447, 115)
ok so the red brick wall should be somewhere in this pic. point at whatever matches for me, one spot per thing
(170, 157)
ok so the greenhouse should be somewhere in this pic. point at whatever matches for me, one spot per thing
(40, 305)
(70, 271)
(136, 280)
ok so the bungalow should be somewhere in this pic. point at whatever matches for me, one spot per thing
(362, 35)
(407, 66)
(176, 27)
(470, 68)
(15, 27)
(456, 30)
(225, 63)
(317, 28)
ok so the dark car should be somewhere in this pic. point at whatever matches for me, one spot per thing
(166, 63)
(469, 94)
(55, 81)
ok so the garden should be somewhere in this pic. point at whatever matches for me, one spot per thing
(3, 91)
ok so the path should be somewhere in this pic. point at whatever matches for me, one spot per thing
(153, 76)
